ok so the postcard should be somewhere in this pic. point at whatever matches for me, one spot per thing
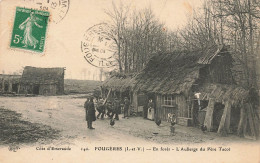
(129, 81)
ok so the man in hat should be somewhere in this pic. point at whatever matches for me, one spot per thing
(90, 110)
(126, 107)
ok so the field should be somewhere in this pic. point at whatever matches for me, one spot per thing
(72, 86)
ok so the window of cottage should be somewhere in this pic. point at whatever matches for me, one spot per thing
(168, 100)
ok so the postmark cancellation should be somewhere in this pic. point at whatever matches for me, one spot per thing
(98, 48)
(58, 8)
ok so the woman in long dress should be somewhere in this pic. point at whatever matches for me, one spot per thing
(150, 114)
(28, 39)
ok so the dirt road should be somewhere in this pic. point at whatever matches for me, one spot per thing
(66, 114)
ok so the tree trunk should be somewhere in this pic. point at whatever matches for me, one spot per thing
(253, 70)
(126, 58)
(119, 57)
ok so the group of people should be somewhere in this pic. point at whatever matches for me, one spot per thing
(110, 108)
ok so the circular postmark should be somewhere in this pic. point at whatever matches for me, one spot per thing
(98, 48)
(57, 8)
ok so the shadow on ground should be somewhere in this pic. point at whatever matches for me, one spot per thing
(14, 130)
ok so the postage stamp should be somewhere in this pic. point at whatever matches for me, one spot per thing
(98, 48)
(29, 29)
(57, 8)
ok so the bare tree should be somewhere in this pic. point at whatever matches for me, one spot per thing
(118, 22)
(137, 35)
(233, 22)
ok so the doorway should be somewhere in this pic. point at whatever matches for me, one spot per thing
(234, 119)
(142, 104)
(217, 115)
(199, 115)
(15, 88)
(6, 86)
(36, 89)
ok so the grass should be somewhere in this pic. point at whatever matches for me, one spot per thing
(14, 130)
(72, 86)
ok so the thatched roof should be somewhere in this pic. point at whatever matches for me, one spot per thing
(2, 76)
(207, 55)
(177, 72)
(119, 82)
(222, 93)
(13, 78)
(42, 75)
(174, 72)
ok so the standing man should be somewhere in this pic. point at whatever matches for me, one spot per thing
(126, 107)
(90, 113)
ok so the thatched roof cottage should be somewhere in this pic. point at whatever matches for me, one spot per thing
(197, 86)
(42, 81)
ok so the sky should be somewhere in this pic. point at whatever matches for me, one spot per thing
(63, 42)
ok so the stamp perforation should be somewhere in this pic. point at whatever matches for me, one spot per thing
(42, 43)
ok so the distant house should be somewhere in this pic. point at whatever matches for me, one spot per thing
(42, 81)
(120, 86)
(9, 83)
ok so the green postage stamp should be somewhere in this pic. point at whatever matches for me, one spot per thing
(29, 30)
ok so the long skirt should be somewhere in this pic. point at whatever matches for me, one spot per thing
(150, 114)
